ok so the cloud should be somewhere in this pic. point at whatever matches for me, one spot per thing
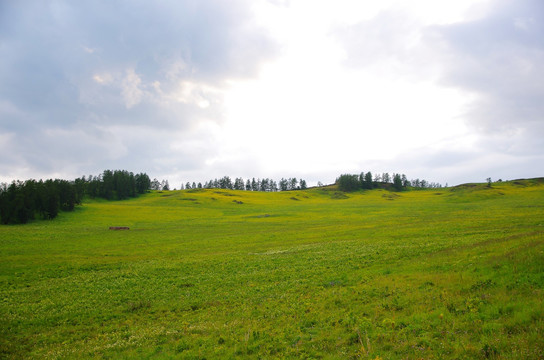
(498, 59)
(389, 36)
(195, 88)
(493, 59)
(84, 85)
(131, 92)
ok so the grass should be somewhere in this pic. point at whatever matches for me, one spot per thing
(445, 273)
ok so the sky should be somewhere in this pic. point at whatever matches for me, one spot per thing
(186, 90)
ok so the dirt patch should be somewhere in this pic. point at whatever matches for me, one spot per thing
(119, 228)
(223, 193)
(337, 195)
(464, 186)
(197, 190)
(390, 196)
(259, 216)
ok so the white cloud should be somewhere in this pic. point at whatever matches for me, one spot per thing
(194, 93)
(130, 89)
(88, 50)
(103, 79)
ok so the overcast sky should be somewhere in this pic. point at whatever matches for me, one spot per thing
(448, 91)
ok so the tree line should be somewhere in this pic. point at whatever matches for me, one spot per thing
(265, 184)
(115, 185)
(22, 201)
(398, 182)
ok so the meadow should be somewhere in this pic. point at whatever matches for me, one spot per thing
(452, 273)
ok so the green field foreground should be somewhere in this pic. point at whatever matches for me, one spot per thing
(454, 273)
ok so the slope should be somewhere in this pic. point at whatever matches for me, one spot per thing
(445, 273)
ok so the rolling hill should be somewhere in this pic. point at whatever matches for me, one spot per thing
(440, 273)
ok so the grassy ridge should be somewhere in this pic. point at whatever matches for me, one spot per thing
(443, 273)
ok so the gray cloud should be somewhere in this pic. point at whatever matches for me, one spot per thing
(496, 59)
(90, 85)
(83, 84)
(499, 59)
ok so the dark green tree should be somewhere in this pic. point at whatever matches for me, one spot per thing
(397, 182)
(51, 200)
(66, 193)
(348, 182)
(142, 182)
(368, 184)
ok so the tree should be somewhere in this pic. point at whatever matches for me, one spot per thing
(397, 182)
(386, 178)
(51, 200)
(405, 181)
(264, 185)
(368, 181)
(21, 201)
(79, 187)
(67, 196)
(107, 185)
(155, 184)
(348, 182)
(293, 183)
(362, 180)
(239, 184)
(93, 186)
(225, 183)
(12, 204)
(142, 182)
(303, 185)
(284, 185)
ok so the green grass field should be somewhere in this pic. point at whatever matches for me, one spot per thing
(454, 273)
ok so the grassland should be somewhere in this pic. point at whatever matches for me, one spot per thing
(443, 273)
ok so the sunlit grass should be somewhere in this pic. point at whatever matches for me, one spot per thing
(443, 273)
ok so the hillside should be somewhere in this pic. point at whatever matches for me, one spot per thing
(440, 273)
